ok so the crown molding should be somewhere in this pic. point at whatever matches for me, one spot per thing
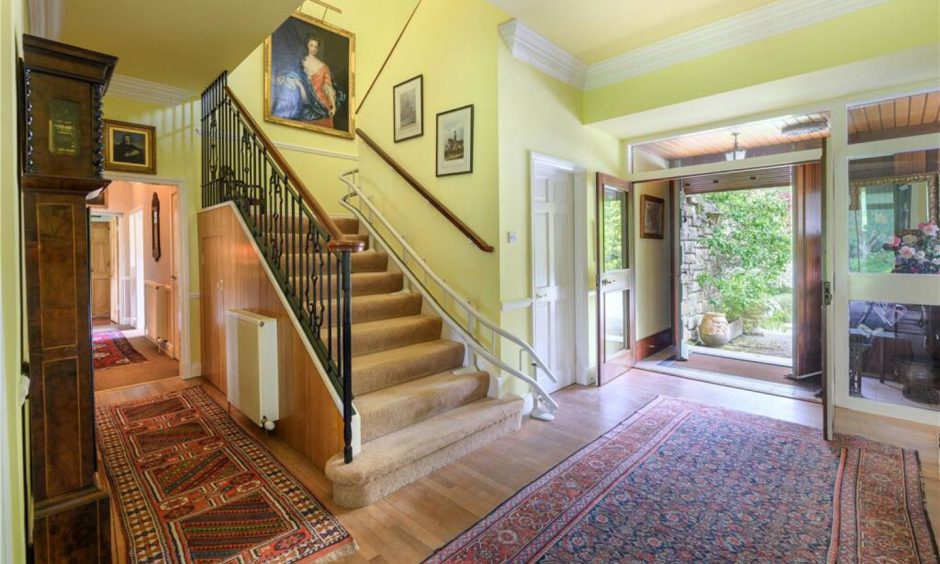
(748, 27)
(530, 47)
(45, 18)
(147, 91)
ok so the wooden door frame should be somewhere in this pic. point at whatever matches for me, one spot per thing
(602, 180)
(188, 368)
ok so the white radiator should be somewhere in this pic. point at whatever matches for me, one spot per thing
(252, 370)
(158, 314)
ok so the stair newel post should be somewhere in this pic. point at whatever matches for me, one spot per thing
(346, 368)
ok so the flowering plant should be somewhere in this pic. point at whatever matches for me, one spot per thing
(916, 251)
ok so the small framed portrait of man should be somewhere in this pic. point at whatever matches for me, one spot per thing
(130, 147)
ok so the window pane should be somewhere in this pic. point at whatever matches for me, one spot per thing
(894, 353)
(904, 116)
(893, 214)
(615, 240)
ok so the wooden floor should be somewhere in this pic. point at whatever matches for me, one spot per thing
(408, 525)
(158, 367)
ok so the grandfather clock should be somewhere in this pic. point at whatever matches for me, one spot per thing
(61, 163)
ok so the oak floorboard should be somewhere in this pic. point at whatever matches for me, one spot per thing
(412, 522)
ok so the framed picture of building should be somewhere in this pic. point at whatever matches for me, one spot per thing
(455, 141)
(130, 147)
(408, 107)
(652, 217)
(309, 79)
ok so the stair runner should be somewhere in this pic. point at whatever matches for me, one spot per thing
(418, 409)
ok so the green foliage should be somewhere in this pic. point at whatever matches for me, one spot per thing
(750, 249)
(613, 228)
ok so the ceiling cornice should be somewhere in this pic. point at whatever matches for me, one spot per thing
(147, 91)
(754, 25)
(530, 47)
(773, 19)
(45, 18)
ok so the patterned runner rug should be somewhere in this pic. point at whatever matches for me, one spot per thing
(192, 486)
(111, 348)
(683, 482)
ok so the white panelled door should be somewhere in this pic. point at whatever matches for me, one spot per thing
(553, 273)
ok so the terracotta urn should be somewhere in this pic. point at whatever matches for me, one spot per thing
(714, 330)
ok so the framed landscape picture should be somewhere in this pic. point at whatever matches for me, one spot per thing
(652, 217)
(129, 147)
(455, 141)
(309, 79)
(408, 104)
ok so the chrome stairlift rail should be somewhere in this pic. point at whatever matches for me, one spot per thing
(405, 257)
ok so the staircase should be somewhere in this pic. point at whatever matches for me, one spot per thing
(420, 407)
(376, 331)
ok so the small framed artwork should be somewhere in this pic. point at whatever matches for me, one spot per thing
(130, 147)
(455, 141)
(309, 77)
(652, 217)
(408, 102)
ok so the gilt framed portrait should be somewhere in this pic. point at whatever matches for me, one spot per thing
(129, 147)
(309, 79)
(408, 107)
(652, 217)
(455, 141)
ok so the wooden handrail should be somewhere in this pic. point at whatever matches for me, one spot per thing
(388, 56)
(449, 215)
(338, 240)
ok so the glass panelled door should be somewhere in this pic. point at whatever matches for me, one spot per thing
(615, 280)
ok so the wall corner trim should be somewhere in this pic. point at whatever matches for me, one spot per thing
(147, 91)
(45, 18)
(529, 47)
(760, 23)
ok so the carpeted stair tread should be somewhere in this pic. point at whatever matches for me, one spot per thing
(347, 224)
(365, 261)
(384, 334)
(385, 306)
(367, 283)
(387, 410)
(388, 368)
(394, 460)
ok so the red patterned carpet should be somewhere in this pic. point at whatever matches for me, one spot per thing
(111, 348)
(684, 482)
(192, 486)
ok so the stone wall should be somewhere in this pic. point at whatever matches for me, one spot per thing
(699, 218)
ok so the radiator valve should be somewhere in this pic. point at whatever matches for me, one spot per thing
(267, 423)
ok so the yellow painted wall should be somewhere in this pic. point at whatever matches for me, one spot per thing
(376, 27)
(883, 29)
(12, 479)
(538, 113)
(454, 45)
(653, 268)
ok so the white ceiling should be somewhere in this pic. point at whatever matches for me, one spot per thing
(180, 43)
(599, 29)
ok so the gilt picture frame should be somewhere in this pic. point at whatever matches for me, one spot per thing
(652, 217)
(130, 147)
(408, 109)
(455, 141)
(309, 76)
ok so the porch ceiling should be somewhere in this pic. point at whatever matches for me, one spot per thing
(180, 43)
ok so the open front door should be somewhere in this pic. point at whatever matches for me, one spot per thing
(809, 336)
(615, 278)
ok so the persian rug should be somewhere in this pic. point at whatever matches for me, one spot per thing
(683, 482)
(192, 487)
(111, 348)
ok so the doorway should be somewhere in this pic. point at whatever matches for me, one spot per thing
(749, 295)
(616, 296)
(553, 271)
(136, 331)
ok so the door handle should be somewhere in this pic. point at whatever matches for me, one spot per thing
(607, 282)
(540, 296)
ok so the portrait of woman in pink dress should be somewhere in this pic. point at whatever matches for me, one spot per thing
(309, 68)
